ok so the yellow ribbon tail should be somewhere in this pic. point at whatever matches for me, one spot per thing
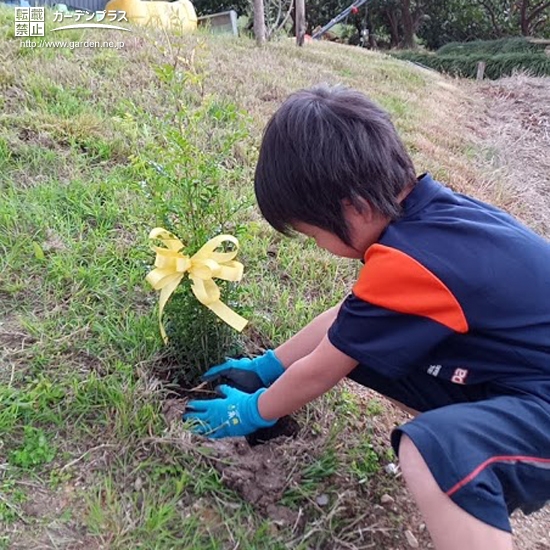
(208, 294)
(205, 291)
(165, 294)
(225, 313)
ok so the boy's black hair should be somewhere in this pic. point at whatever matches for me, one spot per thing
(325, 145)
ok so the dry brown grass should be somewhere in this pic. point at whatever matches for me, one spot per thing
(513, 130)
(464, 135)
(424, 105)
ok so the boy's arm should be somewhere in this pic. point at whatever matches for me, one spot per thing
(240, 413)
(308, 339)
(249, 374)
(305, 380)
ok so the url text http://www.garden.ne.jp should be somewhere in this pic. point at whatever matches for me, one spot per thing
(72, 45)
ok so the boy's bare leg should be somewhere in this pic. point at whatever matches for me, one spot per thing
(450, 527)
(305, 341)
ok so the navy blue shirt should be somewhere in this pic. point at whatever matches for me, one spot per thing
(455, 288)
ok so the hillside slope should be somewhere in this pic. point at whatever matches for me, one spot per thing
(92, 452)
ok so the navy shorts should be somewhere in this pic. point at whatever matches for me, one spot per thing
(489, 453)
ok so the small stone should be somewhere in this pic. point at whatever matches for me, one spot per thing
(322, 500)
(411, 539)
(392, 469)
(387, 499)
(422, 527)
(138, 484)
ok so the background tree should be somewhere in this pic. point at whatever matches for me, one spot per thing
(453, 21)
(278, 14)
(401, 23)
(499, 13)
(533, 15)
(392, 14)
(207, 7)
(400, 20)
(300, 21)
(320, 12)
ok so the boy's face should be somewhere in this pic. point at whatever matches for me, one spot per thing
(365, 228)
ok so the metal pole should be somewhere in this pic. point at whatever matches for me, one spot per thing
(338, 18)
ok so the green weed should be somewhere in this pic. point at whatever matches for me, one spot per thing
(11, 497)
(375, 407)
(38, 402)
(312, 477)
(35, 450)
(365, 461)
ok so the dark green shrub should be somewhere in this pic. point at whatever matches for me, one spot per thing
(491, 47)
(206, 7)
(197, 339)
(497, 66)
(188, 175)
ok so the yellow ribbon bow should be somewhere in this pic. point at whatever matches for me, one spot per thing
(171, 265)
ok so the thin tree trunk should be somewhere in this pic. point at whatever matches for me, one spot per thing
(524, 24)
(394, 28)
(300, 22)
(490, 11)
(408, 30)
(259, 22)
(370, 27)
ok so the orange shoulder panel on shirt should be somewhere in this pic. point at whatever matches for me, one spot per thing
(393, 280)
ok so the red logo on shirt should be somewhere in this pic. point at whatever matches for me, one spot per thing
(459, 376)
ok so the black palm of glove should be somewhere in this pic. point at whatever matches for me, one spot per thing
(248, 375)
(246, 381)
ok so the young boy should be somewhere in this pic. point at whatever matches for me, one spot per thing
(450, 318)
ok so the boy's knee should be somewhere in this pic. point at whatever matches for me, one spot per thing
(416, 472)
(412, 464)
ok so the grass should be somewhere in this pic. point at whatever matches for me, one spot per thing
(88, 454)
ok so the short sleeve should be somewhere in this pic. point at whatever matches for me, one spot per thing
(398, 313)
(387, 341)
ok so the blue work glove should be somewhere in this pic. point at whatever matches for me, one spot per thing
(249, 374)
(235, 414)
